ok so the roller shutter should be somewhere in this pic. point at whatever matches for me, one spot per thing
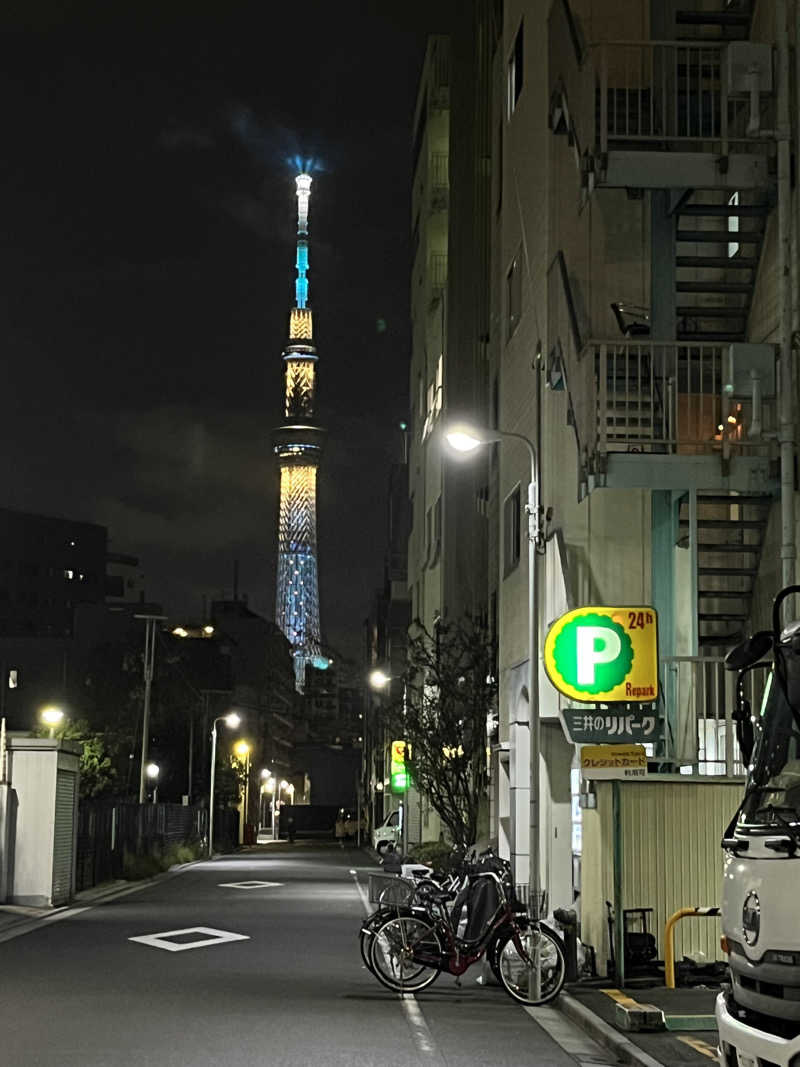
(63, 842)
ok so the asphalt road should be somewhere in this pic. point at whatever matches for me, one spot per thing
(291, 990)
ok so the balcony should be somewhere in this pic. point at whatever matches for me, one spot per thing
(658, 114)
(676, 415)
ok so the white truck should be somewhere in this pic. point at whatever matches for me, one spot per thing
(758, 1016)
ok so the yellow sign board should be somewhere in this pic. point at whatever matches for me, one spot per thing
(613, 761)
(604, 655)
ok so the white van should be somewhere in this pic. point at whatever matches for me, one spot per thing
(388, 833)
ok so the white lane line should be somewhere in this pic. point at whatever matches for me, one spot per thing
(427, 1048)
(568, 1037)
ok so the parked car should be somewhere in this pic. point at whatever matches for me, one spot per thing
(388, 833)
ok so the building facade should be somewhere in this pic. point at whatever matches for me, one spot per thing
(642, 248)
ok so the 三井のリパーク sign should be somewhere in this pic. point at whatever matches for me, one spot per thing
(604, 654)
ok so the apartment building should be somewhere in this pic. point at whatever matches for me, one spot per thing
(626, 173)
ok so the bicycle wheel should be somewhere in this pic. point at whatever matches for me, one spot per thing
(368, 929)
(393, 949)
(516, 972)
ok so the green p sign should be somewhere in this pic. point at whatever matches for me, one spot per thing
(604, 654)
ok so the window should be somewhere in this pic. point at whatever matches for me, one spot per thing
(512, 533)
(514, 295)
(515, 72)
(733, 225)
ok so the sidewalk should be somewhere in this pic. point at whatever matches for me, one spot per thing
(688, 1034)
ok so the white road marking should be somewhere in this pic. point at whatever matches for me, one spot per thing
(248, 885)
(427, 1048)
(212, 937)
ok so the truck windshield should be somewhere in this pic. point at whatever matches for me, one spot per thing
(773, 787)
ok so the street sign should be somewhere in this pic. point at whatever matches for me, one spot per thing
(613, 761)
(604, 655)
(398, 771)
(604, 726)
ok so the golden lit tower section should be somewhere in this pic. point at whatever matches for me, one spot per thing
(298, 446)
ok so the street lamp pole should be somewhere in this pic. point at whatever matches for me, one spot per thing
(149, 660)
(231, 720)
(466, 439)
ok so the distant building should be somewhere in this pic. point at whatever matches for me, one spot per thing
(47, 567)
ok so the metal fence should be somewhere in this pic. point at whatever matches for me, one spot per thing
(700, 697)
(667, 397)
(108, 830)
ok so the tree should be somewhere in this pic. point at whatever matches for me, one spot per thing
(97, 772)
(450, 689)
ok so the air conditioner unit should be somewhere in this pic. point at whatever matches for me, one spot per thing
(741, 59)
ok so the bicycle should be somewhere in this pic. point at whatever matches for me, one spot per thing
(526, 956)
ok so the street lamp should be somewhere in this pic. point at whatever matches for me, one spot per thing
(151, 770)
(52, 717)
(242, 751)
(232, 720)
(465, 438)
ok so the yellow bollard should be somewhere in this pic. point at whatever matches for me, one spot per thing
(669, 939)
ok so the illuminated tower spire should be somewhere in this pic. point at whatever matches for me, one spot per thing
(298, 446)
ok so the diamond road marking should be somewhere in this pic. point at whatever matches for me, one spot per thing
(212, 937)
(248, 885)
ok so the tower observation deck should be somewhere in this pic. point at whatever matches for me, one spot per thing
(298, 445)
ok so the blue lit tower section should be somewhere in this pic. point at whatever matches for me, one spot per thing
(298, 446)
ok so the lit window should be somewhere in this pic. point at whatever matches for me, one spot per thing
(733, 225)
(515, 72)
(69, 575)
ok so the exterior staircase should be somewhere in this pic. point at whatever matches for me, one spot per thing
(718, 246)
(730, 537)
(728, 22)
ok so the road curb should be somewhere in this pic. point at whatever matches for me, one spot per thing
(604, 1034)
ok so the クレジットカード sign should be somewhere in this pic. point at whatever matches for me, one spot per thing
(613, 761)
(604, 655)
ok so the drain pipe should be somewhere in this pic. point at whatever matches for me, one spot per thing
(785, 376)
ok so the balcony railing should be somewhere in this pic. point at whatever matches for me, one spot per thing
(661, 95)
(661, 91)
(699, 695)
(662, 398)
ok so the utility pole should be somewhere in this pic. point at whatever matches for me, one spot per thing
(149, 660)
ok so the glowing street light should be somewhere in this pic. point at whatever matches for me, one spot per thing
(232, 720)
(242, 751)
(52, 717)
(208, 631)
(180, 631)
(152, 771)
(379, 679)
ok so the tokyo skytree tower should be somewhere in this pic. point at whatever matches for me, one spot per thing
(298, 446)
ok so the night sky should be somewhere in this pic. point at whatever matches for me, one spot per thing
(147, 255)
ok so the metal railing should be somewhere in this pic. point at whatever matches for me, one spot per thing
(661, 91)
(632, 94)
(437, 273)
(700, 697)
(666, 397)
(440, 170)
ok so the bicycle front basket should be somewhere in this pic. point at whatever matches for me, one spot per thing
(390, 890)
